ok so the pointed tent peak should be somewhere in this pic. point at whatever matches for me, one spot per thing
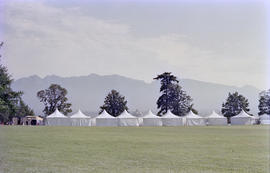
(243, 113)
(125, 114)
(125, 111)
(79, 114)
(192, 115)
(215, 115)
(150, 115)
(105, 114)
(169, 114)
(56, 111)
(56, 114)
(149, 112)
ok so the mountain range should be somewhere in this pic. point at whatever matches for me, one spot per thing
(88, 92)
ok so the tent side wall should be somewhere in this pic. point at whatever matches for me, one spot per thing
(241, 121)
(140, 119)
(195, 122)
(172, 121)
(128, 121)
(264, 119)
(80, 121)
(93, 122)
(265, 122)
(57, 121)
(106, 122)
(152, 122)
(216, 121)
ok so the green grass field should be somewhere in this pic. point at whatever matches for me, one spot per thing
(239, 149)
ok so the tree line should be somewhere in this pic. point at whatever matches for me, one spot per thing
(11, 102)
(172, 98)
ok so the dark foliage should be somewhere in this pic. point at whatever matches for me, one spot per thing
(264, 102)
(114, 104)
(54, 98)
(234, 104)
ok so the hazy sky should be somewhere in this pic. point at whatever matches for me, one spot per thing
(215, 41)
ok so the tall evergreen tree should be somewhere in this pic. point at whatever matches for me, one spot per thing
(10, 101)
(54, 98)
(173, 97)
(264, 102)
(234, 104)
(114, 104)
(164, 101)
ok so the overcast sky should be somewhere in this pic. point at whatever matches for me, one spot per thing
(215, 41)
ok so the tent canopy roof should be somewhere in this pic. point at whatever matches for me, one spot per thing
(169, 114)
(242, 114)
(105, 114)
(150, 115)
(192, 115)
(215, 115)
(125, 114)
(56, 114)
(79, 114)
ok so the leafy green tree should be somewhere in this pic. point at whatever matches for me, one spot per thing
(164, 101)
(10, 101)
(54, 98)
(180, 103)
(234, 104)
(4, 112)
(114, 104)
(23, 109)
(264, 102)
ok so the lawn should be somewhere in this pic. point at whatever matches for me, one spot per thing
(239, 149)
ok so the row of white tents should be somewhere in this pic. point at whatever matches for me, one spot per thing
(150, 119)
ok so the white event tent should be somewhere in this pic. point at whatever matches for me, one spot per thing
(151, 120)
(216, 119)
(242, 119)
(169, 119)
(126, 119)
(265, 119)
(57, 119)
(105, 119)
(80, 119)
(194, 120)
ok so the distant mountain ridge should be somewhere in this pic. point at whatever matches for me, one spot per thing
(88, 92)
